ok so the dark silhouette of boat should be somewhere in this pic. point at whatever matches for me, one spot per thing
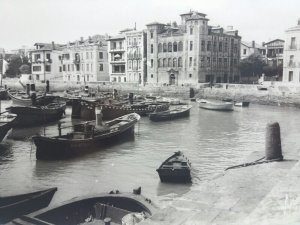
(143, 109)
(6, 123)
(21, 98)
(85, 137)
(32, 115)
(116, 207)
(171, 114)
(14, 206)
(176, 168)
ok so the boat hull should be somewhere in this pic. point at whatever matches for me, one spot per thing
(169, 115)
(217, 106)
(40, 100)
(174, 175)
(5, 127)
(15, 206)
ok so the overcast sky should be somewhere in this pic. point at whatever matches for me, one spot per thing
(24, 22)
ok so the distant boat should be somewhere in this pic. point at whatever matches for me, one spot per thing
(84, 138)
(143, 109)
(241, 104)
(176, 168)
(32, 115)
(215, 105)
(14, 206)
(21, 98)
(171, 114)
(118, 208)
(6, 123)
(262, 88)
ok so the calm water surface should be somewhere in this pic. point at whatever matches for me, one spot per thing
(211, 140)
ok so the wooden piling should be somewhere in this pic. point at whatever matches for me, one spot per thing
(273, 142)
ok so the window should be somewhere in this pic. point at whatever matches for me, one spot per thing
(174, 62)
(290, 76)
(208, 61)
(91, 67)
(36, 68)
(220, 46)
(191, 30)
(208, 46)
(158, 63)
(190, 75)
(180, 46)
(124, 79)
(169, 62)
(139, 64)
(91, 55)
(175, 47)
(114, 45)
(165, 49)
(151, 48)
(191, 45)
(48, 68)
(203, 46)
(129, 64)
(215, 46)
(179, 62)
(244, 51)
(293, 43)
(190, 61)
(37, 57)
(164, 62)
(68, 67)
(169, 47)
(87, 55)
(291, 62)
(48, 56)
(225, 62)
(87, 67)
(100, 67)
(37, 77)
(220, 62)
(151, 75)
(151, 35)
(64, 67)
(151, 63)
(134, 64)
(120, 44)
(100, 55)
(60, 69)
(226, 47)
(77, 67)
(72, 67)
(159, 47)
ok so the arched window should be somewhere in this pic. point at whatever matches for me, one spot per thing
(134, 54)
(169, 47)
(175, 47)
(164, 62)
(180, 46)
(134, 64)
(140, 63)
(158, 63)
(165, 49)
(129, 64)
(159, 47)
(169, 62)
(179, 62)
(174, 62)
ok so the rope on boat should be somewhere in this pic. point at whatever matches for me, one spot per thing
(256, 162)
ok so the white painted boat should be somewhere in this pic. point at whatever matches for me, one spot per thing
(215, 105)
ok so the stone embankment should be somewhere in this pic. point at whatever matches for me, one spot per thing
(276, 94)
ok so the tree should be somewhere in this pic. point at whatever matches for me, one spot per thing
(252, 66)
(25, 69)
(13, 66)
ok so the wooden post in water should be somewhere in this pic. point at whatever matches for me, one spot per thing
(273, 142)
(59, 129)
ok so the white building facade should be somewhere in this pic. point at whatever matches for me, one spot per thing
(291, 56)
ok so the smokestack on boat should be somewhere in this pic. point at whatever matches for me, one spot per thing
(28, 89)
(99, 116)
(47, 86)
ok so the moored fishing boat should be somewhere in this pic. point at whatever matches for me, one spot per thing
(23, 99)
(32, 115)
(215, 105)
(14, 206)
(112, 208)
(6, 123)
(178, 112)
(143, 109)
(176, 168)
(85, 137)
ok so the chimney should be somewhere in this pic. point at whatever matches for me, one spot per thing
(299, 21)
(81, 39)
(229, 28)
(53, 45)
(253, 44)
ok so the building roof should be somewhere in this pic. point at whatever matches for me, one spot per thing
(250, 45)
(154, 23)
(48, 46)
(117, 37)
(273, 41)
(193, 12)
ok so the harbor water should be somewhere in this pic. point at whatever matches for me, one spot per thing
(211, 140)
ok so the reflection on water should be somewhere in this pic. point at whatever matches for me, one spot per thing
(211, 140)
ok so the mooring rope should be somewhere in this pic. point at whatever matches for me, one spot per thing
(256, 162)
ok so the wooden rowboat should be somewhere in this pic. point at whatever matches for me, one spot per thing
(6, 123)
(21, 98)
(171, 114)
(14, 206)
(215, 105)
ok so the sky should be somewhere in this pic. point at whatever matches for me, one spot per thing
(25, 22)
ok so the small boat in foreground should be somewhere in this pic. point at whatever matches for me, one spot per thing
(178, 112)
(31, 115)
(6, 123)
(113, 208)
(214, 105)
(85, 137)
(176, 168)
(14, 206)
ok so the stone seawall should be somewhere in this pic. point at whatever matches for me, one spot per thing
(276, 94)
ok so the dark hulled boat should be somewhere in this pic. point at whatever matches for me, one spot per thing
(171, 114)
(85, 137)
(120, 208)
(21, 98)
(143, 109)
(32, 115)
(6, 123)
(176, 168)
(14, 206)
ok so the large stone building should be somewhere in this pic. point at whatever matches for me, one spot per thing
(291, 56)
(192, 52)
(85, 60)
(46, 62)
(127, 57)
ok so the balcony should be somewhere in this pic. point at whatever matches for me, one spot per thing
(118, 73)
(117, 49)
(117, 61)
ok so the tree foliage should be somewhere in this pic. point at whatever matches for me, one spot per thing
(274, 70)
(25, 69)
(14, 65)
(252, 66)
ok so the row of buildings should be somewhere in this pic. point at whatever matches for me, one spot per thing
(170, 54)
